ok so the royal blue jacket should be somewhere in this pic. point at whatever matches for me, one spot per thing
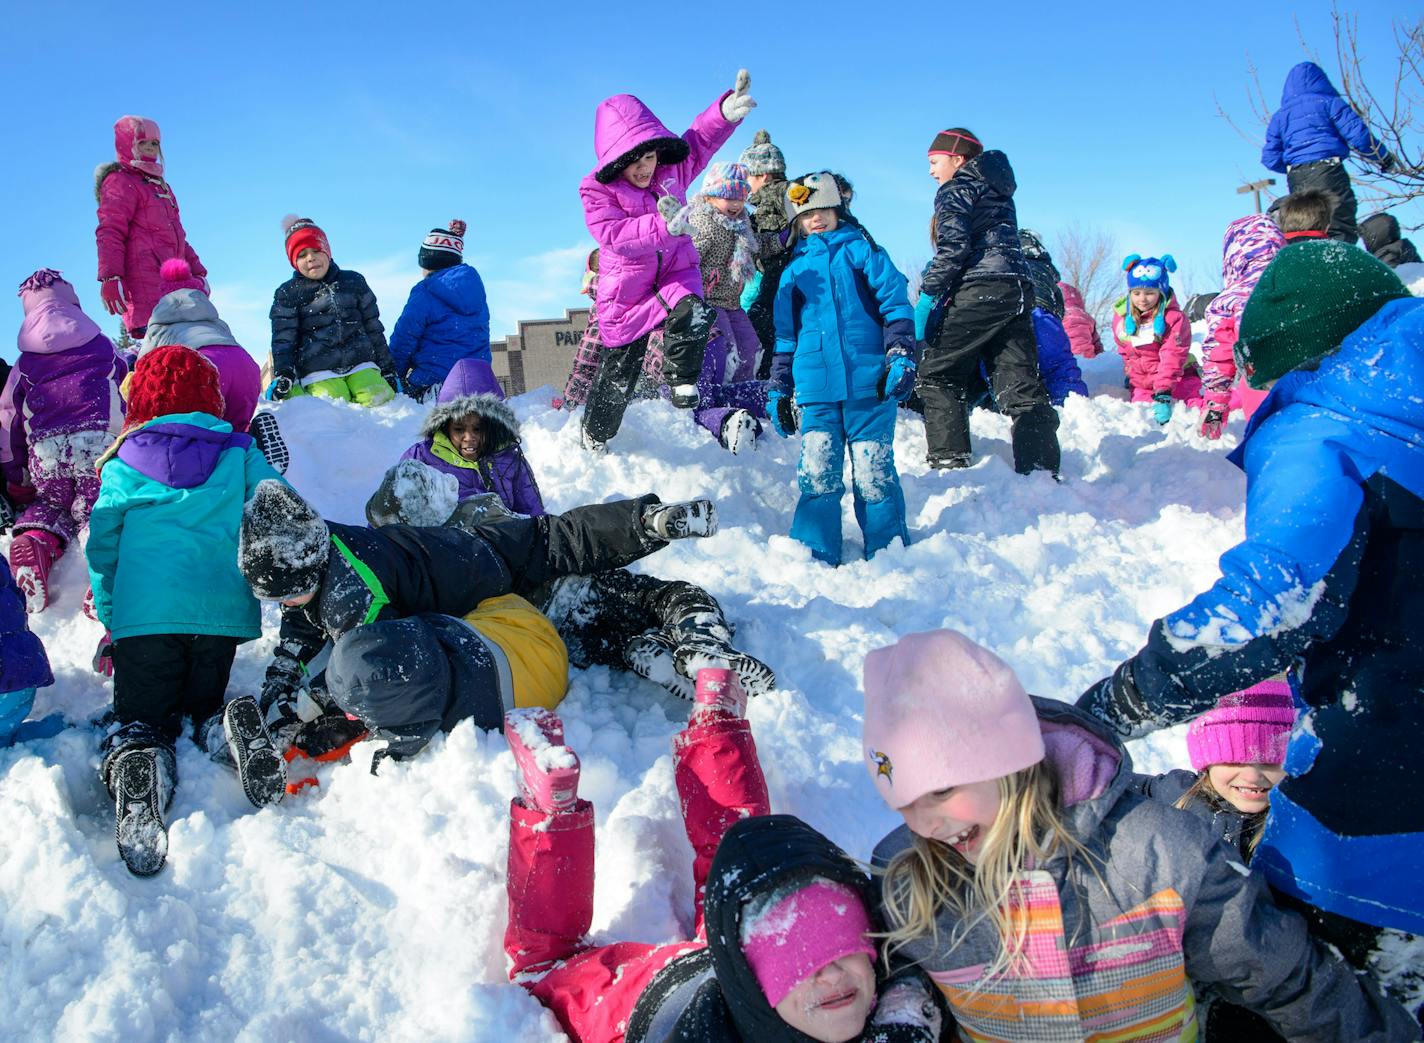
(445, 320)
(1330, 577)
(840, 305)
(1314, 122)
(1056, 362)
(23, 663)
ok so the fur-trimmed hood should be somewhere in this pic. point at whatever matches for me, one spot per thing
(102, 171)
(493, 410)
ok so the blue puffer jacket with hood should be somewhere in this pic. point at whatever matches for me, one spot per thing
(446, 319)
(1315, 123)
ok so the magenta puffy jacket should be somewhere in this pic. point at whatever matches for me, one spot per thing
(1156, 366)
(1081, 328)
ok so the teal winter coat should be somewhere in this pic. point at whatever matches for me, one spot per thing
(163, 536)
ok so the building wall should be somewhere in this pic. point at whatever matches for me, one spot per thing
(541, 353)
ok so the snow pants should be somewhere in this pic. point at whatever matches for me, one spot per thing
(365, 387)
(726, 382)
(988, 321)
(14, 708)
(1329, 175)
(66, 484)
(592, 989)
(867, 427)
(161, 678)
(240, 379)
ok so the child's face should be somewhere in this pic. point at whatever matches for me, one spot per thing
(832, 1004)
(1145, 300)
(1246, 787)
(730, 207)
(147, 148)
(640, 172)
(959, 816)
(467, 435)
(757, 181)
(943, 167)
(314, 264)
(814, 222)
(299, 600)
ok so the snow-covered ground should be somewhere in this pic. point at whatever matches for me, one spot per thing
(374, 907)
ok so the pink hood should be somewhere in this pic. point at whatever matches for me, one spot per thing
(128, 132)
(54, 321)
(622, 123)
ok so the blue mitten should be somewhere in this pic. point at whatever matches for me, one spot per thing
(1162, 407)
(923, 306)
(781, 412)
(898, 380)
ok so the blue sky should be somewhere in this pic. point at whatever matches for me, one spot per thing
(382, 120)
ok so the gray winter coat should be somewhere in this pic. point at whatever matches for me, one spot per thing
(1117, 956)
(185, 317)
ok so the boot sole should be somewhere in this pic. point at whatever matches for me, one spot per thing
(260, 767)
(139, 829)
(757, 678)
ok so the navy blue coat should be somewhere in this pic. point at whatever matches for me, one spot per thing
(23, 663)
(1313, 123)
(331, 323)
(445, 320)
(1056, 362)
(976, 227)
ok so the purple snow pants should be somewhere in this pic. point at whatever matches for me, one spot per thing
(66, 484)
(724, 383)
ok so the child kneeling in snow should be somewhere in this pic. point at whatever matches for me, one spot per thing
(782, 946)
(1154, 337)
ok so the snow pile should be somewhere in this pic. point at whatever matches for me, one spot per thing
(374, 907)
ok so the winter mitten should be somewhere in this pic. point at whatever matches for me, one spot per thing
(898, 380)
(282, 385)
(923, 306)
(20, 494)
(782, 413)
(737, 104)
(419, 391)
(1388, 165)
(104, 655)
(674, 214)
(1212, 422)
(111, 292)
(908, 1003)
(686, 396)
(389, 376)
(1162, 407)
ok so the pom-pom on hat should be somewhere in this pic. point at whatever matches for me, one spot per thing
(813, 192)
(1246, 727)
(1149, 273)
(176, 274)
(943, 711)
(443, 247)
(1308, 300)
(726, 181)
(791, 933)
(172, 379)
(762, 157)
(303, 234)
(282, 547)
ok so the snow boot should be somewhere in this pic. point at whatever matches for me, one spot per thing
(950, 461)
(708, 643)
(260, 767)
(719, 694)
(739, 432)
(32, 554)
(594, 445)
(270, 443)
(139, 788)
(649, 656)
(676, 521)
(548, 770)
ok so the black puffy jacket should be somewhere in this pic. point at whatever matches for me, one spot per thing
(976, 227)
(1380, 233)
(330, 323)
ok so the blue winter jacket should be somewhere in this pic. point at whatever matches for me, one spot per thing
(841, 304)
(1313, 123)
(163, 536)
(1056, 362)
(23, 663)
(445, 320)
(1331, 573)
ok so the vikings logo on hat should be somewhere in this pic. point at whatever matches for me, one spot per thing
(882, 764)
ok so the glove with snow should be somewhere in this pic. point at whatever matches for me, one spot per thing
(111, 292)
(923, 306)
(906, 1003)
(1389, 165)
(736, 105)
(1212, 422)
(104, 655)
(898, 380)
(672, 211)
(282, 385)
(1162, 407)
(393, 381)
(782, 413)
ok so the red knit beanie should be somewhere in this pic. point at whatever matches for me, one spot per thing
(172, 379)
(303, 234)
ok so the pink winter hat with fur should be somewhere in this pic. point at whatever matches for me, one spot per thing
(942, 711)
(1246, 727)
(176, 274)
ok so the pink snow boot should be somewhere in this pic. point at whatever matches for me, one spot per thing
(548, 770)
(32, 554)
(719, 694)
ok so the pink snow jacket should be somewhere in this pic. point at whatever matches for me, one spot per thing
(1082, 328)
(643, 269)
(1156, 366)
(1250, 244)
(139, 227)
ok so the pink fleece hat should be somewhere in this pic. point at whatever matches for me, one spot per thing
(943, 711)
(1246, 727)
(176, 274)
(792, 938)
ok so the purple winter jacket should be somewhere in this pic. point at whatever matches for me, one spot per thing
(643, 269)
(472, 387)
(66, 379)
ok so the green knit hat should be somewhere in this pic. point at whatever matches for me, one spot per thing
(1310, 298)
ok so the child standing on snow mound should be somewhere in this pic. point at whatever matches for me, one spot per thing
(1154, 338)
(446, 318)
(24, 667)
(845, 348)
(590, 347)
(766, 177)
(649, 274)
(472, 434)
(783, 947)
(59, 410)
(1030, 872)
(327, 337)
(162, 554)
(139, 227)
(1248, 247)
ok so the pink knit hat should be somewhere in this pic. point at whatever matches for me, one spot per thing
(176, 274)
(792, 937)
(1246, 727)
(942, 711)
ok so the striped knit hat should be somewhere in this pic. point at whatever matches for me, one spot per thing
(443, 247)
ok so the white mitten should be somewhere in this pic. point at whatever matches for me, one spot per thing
(736, 105)
(908, 1003)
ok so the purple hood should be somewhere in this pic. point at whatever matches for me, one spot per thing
(469, 376)
(54, 321)
(178, 454)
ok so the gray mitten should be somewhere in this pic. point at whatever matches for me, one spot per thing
(736, 105)
(672, 211)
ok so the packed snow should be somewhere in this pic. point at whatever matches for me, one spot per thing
(373, 907)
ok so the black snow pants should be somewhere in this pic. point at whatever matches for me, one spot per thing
(598, 616)
(1329, 175)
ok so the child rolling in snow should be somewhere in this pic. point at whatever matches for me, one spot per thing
(847, 366)
(59, 410)
(1029, 872)
(162, 552)
(139, 227)
(782, 946)
(327, 337)
(1154, 338)
(649, 274)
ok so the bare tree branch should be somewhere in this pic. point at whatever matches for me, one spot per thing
(1088, 258)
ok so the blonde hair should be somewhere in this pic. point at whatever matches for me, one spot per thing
(929, 875)
(1202, 789)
